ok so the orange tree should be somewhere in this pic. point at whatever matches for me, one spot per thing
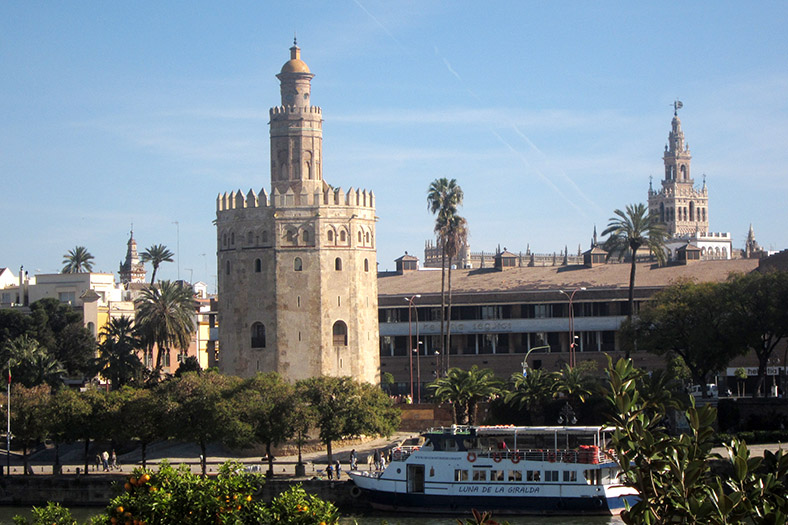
(175, 495)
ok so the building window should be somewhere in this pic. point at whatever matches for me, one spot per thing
(330, 235)
(342, 236)
(232, 239)
(359, 237)
(66, 297)
(367, 237)
(258, 265)
(366, 265)
(298, 304)
(265, 237)
(298, 265)
(305, 236)
(340, 333)
(249, 238)
(227, 268)
(258, 335)
(338, 264)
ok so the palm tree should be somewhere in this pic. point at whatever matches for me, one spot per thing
(574, 384)
(443, 198)
(464, 389)
(165, 318)
(455, 233)
(156, 254)
(77, 261)
(118, 361)
(31, 364)
(532, 391)
(629, 231)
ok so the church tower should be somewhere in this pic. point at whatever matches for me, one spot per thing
(297, 268)
(682, 208)
(132, 270)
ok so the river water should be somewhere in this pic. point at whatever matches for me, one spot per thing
(82, 514)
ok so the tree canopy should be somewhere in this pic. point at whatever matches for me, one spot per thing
(77, 260)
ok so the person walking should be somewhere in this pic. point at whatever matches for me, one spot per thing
(105, 460)
(114, 460)
(330, 472)
(353, 459)
(376, 458)
(338, 468)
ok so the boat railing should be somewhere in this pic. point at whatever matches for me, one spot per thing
(402, 453)
(585, 454)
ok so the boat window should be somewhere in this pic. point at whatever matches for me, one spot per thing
(551, 476)
(479, 475)
(460, 475)
(570, 475)
(497, 475)
(515, 475)
(450, 444)
(533, 475)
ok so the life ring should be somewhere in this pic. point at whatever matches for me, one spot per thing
(471, 456)
(355, 491)
(496, 457)
(516, 457)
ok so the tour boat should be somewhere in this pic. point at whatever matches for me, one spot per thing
(504, 469)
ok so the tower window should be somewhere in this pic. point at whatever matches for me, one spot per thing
(366, 265)
(258, 266)
(305, 236)
(330, 236)
(298, 265)
(249, 238)
(366, 235)
(227, 267)
(258, 335)
(232, 239)
(338, 264)
(265, 237)
(359, 237)
(342, 236)
(340, 333)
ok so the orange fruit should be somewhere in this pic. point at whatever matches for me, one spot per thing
(120, 510)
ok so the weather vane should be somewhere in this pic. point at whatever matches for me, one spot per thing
(677, 105)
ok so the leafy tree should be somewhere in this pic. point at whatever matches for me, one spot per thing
(77, 260)
(201, 410)
(117, 360)
(147, 411)
(13, 324)
(741, 375)
(29, 416)
(574, 384)
(443, 198)
(156, 254)
(30, 364)
(464, 389)
(692, 321)
(629, 231)
(93, 420)
(58, 328)
(672, 474)
(758, 303)
(190, 364)
(165, 317)
(268, 405)
(66, 410)
(52, 514)
(76, 349)
(532, 391)
(344, 407)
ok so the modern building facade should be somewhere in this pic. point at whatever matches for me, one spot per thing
(297, 268)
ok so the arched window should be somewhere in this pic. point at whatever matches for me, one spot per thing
(265, 237)
(366, 265)
(258, 266)
(661, 212)
(692, 211)
(224, 239)
(366, 235)
(340, 333)
(359, 236)
(298, 265)
(232, 239)
(227, 268)
(338, 264)
(305, 235)
(249, 238)
(683, 172)
(330, 235)
(291, 236)
(342, 236)
(258, 335)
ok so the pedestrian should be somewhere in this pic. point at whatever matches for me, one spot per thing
(376, 458)
(98, 462)
(105, 460)
(382, 462)
(330, 472)
(338, 468)
(353, 459)
(114, 459)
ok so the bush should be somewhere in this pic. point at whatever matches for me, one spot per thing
(52, 514)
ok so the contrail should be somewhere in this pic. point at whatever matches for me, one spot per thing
(384, 28)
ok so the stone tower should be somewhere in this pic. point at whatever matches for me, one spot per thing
(297, 269)
(132, 270)
(682, 208)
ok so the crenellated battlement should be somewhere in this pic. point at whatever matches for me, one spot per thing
(236, 200)
(281, 110)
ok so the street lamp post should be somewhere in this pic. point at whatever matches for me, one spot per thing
(572, 358)
(410, 340)
(525, 359)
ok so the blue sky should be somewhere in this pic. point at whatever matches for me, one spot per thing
(550, 115)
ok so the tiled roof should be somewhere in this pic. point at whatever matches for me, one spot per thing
(524, 279)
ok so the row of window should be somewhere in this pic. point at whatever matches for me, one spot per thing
(292, 236)
(298, 265)
(508, 311)
(338, 331)
(532, 476)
